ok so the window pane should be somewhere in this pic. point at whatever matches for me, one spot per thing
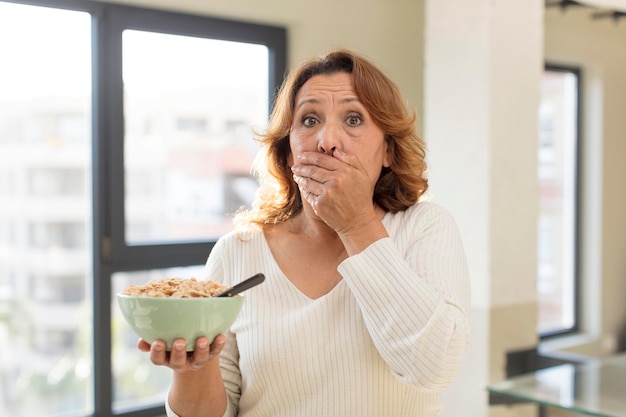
(190, 105)
(557, 202)
(136, 381)
(45, 212)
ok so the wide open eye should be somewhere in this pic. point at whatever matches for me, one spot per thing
(354, 120)
(309, 121)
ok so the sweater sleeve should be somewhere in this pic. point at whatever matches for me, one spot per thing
(413, 292)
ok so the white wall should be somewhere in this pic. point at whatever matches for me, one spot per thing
(483, 65)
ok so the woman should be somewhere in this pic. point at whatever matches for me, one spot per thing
(364, 307)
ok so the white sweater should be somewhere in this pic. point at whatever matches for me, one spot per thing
(384, 342)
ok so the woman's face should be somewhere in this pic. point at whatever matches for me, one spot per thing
(328, 115)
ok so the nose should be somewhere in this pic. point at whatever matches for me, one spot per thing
(329, 139)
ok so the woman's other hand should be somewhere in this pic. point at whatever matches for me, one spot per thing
(337, 187)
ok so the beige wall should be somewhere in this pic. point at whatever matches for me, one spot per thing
(598, 47)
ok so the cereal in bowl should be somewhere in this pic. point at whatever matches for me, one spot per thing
(176, 288)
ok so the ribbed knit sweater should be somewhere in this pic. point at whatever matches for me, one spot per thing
(385, 342)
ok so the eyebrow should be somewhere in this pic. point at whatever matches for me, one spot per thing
(316, 101)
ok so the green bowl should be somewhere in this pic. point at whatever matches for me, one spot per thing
(168, 319)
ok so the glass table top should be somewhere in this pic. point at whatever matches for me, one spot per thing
(595, 388)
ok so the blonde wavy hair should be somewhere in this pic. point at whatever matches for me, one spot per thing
(399, 186)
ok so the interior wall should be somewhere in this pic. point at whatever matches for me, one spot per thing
(389, 32)
(598, 47)
(483, 66)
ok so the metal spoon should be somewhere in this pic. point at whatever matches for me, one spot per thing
(243, 285)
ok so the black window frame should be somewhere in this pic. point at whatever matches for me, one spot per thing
(111, 253)
(578, 73)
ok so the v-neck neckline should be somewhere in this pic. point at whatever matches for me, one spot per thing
(288, 282)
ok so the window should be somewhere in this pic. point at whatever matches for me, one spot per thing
(558, 166)
(125, 145)
(177, 83)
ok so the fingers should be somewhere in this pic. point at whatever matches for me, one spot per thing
(311, 176)
(313, 169)
(314, 172)
(143, 346)
(317, 159)
(321, 175)
(337, 188)
(158, 353)
(308, 185)
(205, 352)
(178, 358)
(329, 162)
(218, 344)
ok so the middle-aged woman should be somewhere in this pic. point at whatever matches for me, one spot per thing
(364, 311)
